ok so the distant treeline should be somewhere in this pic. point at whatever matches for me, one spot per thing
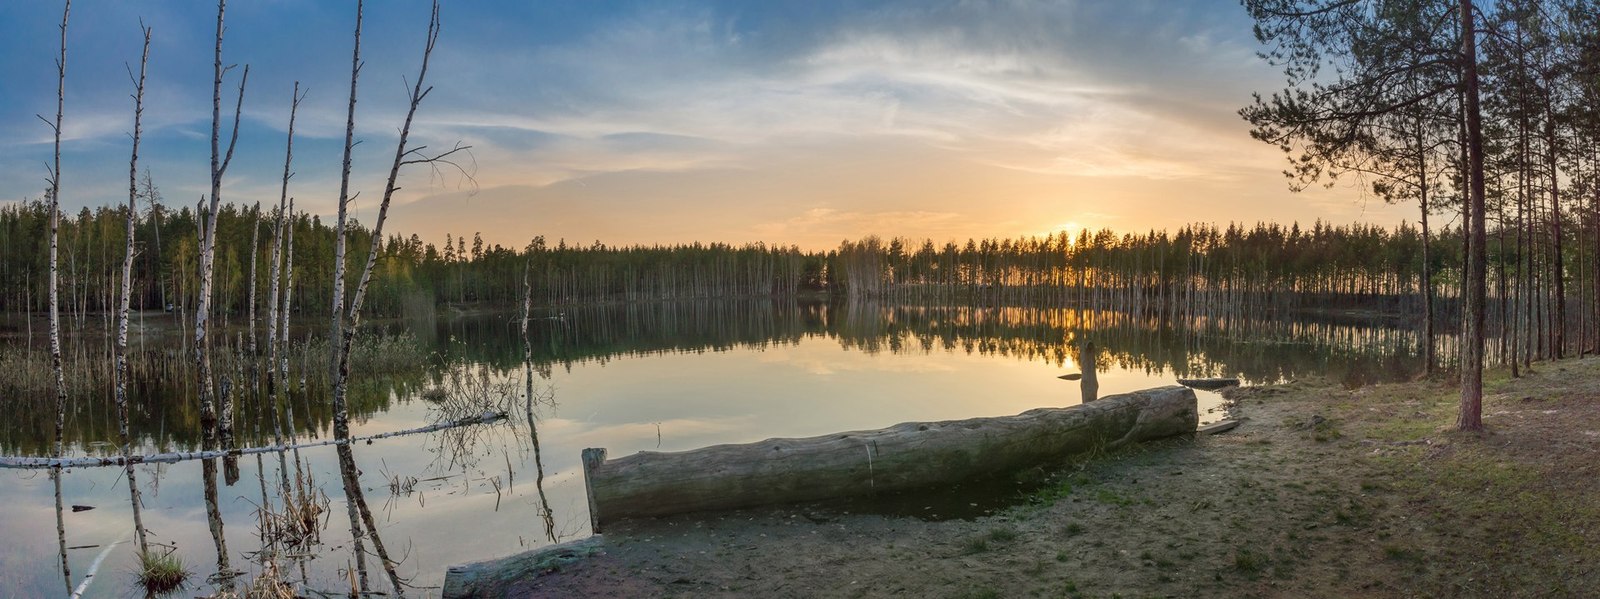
(409, 273)
(1197, 270)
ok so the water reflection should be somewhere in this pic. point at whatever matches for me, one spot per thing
(666, 376)
(1089, 362)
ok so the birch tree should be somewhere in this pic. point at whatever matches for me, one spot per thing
(208, 240)
(121, 347)
(54, 180)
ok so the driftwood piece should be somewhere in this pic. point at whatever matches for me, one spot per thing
(904, 456)
(494, 578)
(1217, 428)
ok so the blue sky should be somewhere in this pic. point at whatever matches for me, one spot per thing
(662, 122)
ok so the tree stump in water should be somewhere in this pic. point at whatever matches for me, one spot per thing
(904, 456)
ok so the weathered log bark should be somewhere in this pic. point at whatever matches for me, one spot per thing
(904, 456)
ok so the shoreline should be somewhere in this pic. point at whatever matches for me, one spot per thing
(1320, 492)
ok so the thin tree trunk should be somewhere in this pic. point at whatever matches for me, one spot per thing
(276, 273)
(341, 426)
(336, 322)
(55, 295)
(121, 347)
(1471, 416)
(208, 241)
(1558, 270)
(255, 250)
(1427, 272)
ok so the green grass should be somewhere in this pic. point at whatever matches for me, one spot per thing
(1248, 562)
(161, 573)
(975, 545)
(1398, 553)
(1111, 497)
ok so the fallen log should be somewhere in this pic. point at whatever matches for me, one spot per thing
(904, 456)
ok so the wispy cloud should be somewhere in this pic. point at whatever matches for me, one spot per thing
(659, 122)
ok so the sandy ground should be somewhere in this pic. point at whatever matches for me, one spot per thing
(1321, 492)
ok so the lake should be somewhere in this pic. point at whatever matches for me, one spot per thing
(658, 376)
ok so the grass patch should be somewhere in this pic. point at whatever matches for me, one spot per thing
(1002, 534)
(1400, 553)
(975, 545)
(161, 572)
(1110, 497)
(1248, 562)
(1319, 428)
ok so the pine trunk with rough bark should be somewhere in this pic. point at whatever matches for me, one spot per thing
(1471, 415)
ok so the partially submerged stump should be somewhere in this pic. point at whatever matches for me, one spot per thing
(904, 456)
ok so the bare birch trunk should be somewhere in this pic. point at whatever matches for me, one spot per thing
(336, 311)
(274, 346)
(288, 300)
(121, 347)
(55, 294)
(208, 241)
(341, 425)
(255, 245)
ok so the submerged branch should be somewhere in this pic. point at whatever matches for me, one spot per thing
(32, 463)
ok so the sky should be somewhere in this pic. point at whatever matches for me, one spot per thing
(795, 122)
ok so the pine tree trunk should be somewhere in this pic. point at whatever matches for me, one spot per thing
(1471, 416)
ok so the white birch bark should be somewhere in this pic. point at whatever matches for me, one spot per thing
(55, 293)
(123, 303)
(276, 272)
(208, 242)
(336, 323)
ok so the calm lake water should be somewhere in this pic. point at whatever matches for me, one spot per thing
(665, 376)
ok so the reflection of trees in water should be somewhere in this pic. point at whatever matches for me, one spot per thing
(1253, 348)
(1257, 350)
(163, 413)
